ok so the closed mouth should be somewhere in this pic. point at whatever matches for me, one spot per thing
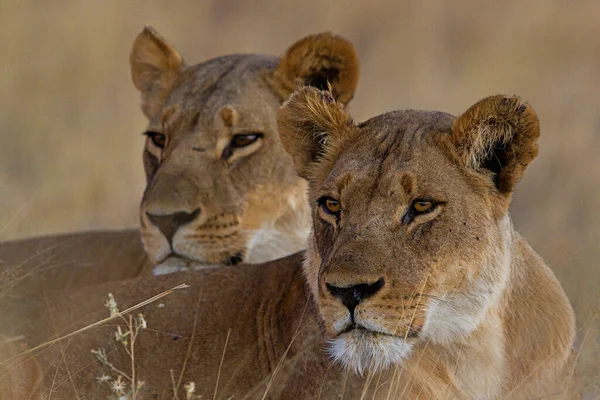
(353, 327)
(412, 333)
(359, 328)
(175, 256)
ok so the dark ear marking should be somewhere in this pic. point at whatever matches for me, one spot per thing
(323, 61)
(322, 79)
(497, 135)
(494, 161)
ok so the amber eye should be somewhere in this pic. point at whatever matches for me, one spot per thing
(421, 206)
(158, 139)
(330, 205)
(244, 140)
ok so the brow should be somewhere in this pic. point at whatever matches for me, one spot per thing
(168, 116)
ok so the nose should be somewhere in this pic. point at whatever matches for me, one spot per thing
(351, 296)
(168, 224)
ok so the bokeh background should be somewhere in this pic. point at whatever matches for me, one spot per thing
(70, 123)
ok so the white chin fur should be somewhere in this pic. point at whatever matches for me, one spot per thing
(269, 244)
(362, 351)
(175, 264)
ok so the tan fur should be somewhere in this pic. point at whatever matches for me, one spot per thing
(68, 261)
(480, 314)
(23, 377)
(205, 204)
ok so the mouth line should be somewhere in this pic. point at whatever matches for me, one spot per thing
(173, 255)
(412, 334)
(235, 259)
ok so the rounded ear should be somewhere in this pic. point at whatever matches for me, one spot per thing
(155, 65)
(319, 60)
(311, 126)
(498, 136)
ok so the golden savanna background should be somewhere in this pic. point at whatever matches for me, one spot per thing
(70, 123)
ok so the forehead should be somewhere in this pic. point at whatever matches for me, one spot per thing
(235, 80)
(395, 149)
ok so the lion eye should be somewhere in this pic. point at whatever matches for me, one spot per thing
(330, 205)
(244, 140)
(158, 139)
(421, 206)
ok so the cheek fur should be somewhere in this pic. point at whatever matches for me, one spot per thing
(323, 238)
(311, 265)
(470, 285)
(151, 164)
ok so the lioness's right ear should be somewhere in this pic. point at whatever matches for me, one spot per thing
(323, 61)
(497, 137)
(155, 65)
(311, 126)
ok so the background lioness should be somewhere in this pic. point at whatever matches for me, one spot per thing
(220, 188)
(413, 270)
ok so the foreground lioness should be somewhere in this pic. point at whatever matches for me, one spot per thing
(413, 276)
(220, 188)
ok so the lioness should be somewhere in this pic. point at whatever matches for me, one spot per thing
(220, 188)
(414, 279)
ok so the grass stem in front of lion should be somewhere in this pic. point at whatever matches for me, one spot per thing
(98, 323)
(127, 338)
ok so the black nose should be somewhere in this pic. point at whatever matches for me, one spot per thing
(168, 224)
(351, 296)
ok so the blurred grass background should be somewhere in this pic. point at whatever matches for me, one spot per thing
(70, 124)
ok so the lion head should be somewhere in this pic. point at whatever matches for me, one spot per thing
(220, 188)
(411, 240)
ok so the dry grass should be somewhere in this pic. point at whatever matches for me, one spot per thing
(70, 148)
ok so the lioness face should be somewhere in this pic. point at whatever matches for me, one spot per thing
(215, 167)
(219, 182)
(410, 230)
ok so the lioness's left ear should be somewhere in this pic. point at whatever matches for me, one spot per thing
(319, 60)
(497, 136)
(155, 65)
(311, 126)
